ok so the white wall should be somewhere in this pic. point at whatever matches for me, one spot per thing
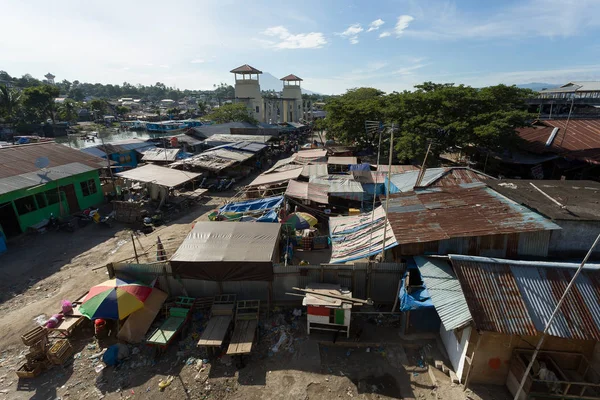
(250, 88)
(456, 351)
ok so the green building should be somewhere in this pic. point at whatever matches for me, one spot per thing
(40, 179)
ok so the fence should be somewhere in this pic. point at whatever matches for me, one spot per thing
(378, 282)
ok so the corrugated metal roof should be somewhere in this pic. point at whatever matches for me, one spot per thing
(580, 198)
(445, 176)
(519, 297)
(40, 177)
(315, 170)
(581, 140)
(20, 159)
(159, 175)
(427, 215)
(359, 236)
(159, 154)
(276, 177)
(445, 291)
(343, 186)
(342, 160)
(221, 138)
(397, 168)
(308, 191)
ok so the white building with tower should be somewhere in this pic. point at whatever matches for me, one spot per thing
(247, 90)
(50, 78)
(272, 109)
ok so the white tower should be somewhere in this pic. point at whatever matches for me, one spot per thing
(50, 78)
(292, 98)
(247, 90)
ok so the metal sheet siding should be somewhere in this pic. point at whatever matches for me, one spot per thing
(534, 243)
(494, 298)
(445, 291)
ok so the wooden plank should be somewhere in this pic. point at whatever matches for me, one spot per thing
(334, 296)
(215, 332)
(222, 309)
(67, 324)
(167, 330)
(137, 324)
(243, 337)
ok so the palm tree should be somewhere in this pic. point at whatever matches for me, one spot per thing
(10, 100)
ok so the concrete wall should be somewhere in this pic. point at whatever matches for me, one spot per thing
(492, 359)
(574, 239)
(457, 350)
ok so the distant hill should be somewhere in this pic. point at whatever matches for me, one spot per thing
(270, 82)
(537, 86)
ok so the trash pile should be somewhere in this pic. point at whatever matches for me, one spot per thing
(282, 332)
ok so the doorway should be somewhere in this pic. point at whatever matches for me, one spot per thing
(9, 220)
(69, 191)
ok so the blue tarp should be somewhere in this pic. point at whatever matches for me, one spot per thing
(253, 205)
(271, 216)
(360, 167)
(415, 300)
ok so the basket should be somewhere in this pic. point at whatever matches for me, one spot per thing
(34, 336)
(60, 352)
(27, 371)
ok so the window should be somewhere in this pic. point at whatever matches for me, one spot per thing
(41, 200)
(88, 187)
(52, 196)
(257, 109)
(25, 205)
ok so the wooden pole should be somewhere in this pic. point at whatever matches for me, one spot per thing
(134, 249)
(471, 359)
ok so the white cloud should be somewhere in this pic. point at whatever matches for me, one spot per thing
(351, 33)
(164, 66)
(287, 40)
(385, 34)
(375, 25)
(198, 61)
(409, 70)
(528, 18)
(402, 24)
(377, 65)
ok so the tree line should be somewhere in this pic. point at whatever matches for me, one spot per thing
(444, 117)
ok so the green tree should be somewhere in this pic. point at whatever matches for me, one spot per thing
(233, 112)
(346, 116)
(122, 110)
(10, 103)
(448, 116)
(67, 111)
(38, 102)
(100, 106)
(173, 111)
(202, 107)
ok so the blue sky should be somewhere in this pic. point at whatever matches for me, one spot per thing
(333, 45)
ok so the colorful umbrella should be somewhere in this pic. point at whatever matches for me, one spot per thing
(114, 299)
(300, 220)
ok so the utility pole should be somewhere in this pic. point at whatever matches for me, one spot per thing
(387, 192)
(422, 172)
(554, 313)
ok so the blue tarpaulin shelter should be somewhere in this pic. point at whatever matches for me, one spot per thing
(268, 203)
(416, 299)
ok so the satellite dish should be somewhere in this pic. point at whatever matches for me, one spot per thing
(42, 162)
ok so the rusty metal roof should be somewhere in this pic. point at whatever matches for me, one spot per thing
(245, 69)
(438, 213)
(581, 140)
(291, 77)
(20, 159)
(518, 297)
(581, 199)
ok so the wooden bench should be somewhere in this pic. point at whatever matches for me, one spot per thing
(246, 324)
(219, 323)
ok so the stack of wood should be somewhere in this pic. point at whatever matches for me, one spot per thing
(36, 361)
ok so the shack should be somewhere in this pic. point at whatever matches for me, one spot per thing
(572, 205)
(234, 251)
(158, 180)
(40, 179)
(494, 310)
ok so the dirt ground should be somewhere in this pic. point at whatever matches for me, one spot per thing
(40, 271)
